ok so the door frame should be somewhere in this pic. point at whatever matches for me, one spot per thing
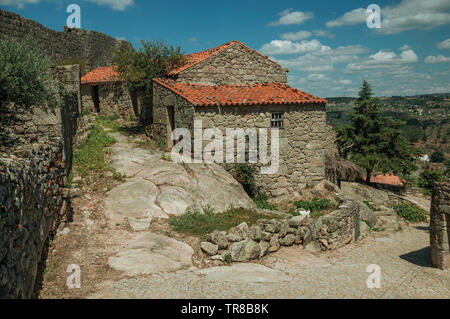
(170, 124)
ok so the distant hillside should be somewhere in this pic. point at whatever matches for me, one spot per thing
(426, 117)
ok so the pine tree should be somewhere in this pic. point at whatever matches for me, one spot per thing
(375, 142)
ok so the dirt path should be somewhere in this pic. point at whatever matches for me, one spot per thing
(117, 262)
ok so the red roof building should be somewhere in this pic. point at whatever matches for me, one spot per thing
(230, 86)
(387, 179)
(101, 75)
(233, 86)
(239, 94)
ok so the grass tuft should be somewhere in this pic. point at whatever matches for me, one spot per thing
(89, 157)
(194, 222)
(411, 213)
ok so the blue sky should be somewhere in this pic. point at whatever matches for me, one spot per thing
(326, 45)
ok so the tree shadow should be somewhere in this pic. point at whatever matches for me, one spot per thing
(132, 130)
(421, 257)
(424, 228)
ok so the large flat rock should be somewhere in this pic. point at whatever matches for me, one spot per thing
(157, 187)
(244, 272)
(152, 253)
(134, 199)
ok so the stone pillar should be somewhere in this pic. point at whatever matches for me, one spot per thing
(440, 226)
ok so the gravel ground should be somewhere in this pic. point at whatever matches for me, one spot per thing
(403, 256)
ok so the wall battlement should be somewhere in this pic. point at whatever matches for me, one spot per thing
(96, 48)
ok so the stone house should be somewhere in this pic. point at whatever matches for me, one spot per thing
(234, 86)
(103, 92)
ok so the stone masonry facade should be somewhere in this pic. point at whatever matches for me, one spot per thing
(33, 174)
(95, 48)
(114, 98)
(237, 64)
(440, 226)
(302, 139)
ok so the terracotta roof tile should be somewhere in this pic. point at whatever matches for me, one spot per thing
(388, 179)
(195, 58)
(109, 74)
(247, 94)
(101, 75)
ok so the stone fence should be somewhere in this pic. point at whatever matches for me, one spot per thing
(35, 159)
(31, 205)
(243, 243)
(440, 226)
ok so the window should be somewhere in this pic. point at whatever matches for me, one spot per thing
(277, 119)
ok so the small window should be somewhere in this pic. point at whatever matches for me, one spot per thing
(277, 119)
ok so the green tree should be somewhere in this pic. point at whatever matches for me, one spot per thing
(25, 75)
(375, 142)
(153, 60)
(447, 166)
(437, 157)
(428, 177)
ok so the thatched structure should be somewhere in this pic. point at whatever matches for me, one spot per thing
(338, 170)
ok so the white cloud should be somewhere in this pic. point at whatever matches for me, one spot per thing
(407, 15)
(295, 36)
(353, 17)
(405, 47)
(318, 77)
(323, 33)
(302, 35)
(324, 59)
(384, 59)
(288, 17)
(437, 59)
(277, 47)
(345, 82)
(18, 3)
(118, 5)
(444, 44)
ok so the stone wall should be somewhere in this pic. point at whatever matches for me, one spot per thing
(96, 49)
(116, 99)
(302, 140)
(35, 159)
(243, 243)
(301, 153)
(184, 113)
(31, 205)
(440, 226)
(236, 64)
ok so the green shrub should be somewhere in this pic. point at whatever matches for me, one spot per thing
(159, 143)
(194, 222)
(117, 176)
(428, 177)
(292, 212)
(153, 60)
(370, 206)
(314, 205)
(25, 75)
(245, 174)
(261, 201)
(109, 121)
(80, 62)
(411, 213)
(228, 258)
(90, 156)
(437, 157)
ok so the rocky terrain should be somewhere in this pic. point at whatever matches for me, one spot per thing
(125, 247)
